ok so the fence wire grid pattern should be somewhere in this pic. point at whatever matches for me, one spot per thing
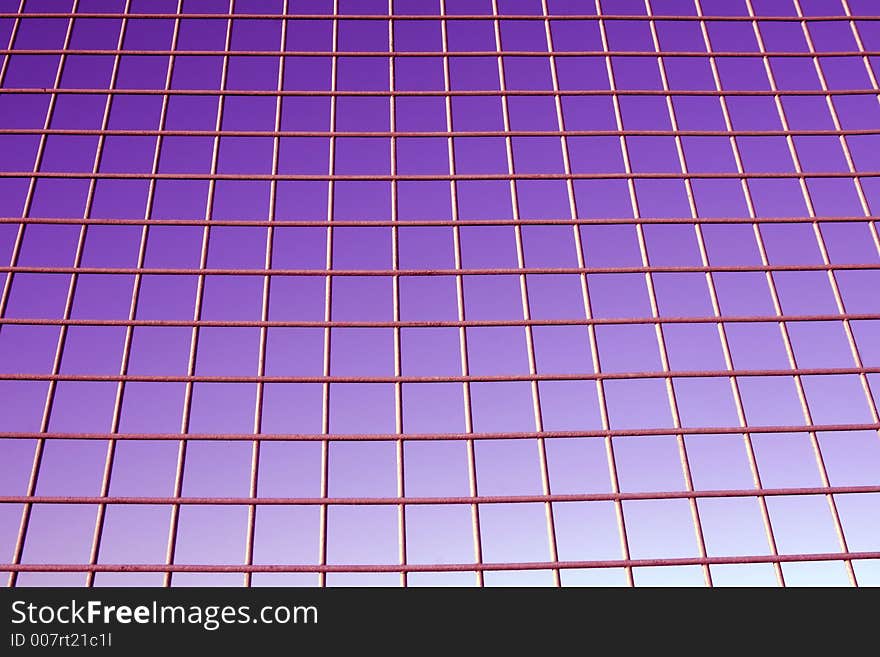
(439, 292)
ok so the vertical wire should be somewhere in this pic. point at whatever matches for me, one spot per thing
(395, 264)
(585, 294)
(16, 23)
(649, 279)
(68, 304)
(132, 314)
(264, 312)
(750, 204)
(197, 309)
(524, 296)
(19, 236)
(774, 293)
(872, 227)
(328, 299)
(863, 201)
(853, 26)
(594, 344)
(16, 252)
(459, 291)
(661, 341)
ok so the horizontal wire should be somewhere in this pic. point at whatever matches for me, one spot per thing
(380, 54)
(471, 378)
(438, 93)
(409, 223)
(488, 271)
(477, 436)
(444, 567)
(438, 134)
(467, 323)
(426, 501)
(383, 177)
(437, 17)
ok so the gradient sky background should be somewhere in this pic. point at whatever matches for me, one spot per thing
(623, 292)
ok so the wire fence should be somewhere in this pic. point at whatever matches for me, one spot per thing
(600, 284)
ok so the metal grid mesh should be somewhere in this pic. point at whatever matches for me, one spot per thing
(514, 171)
